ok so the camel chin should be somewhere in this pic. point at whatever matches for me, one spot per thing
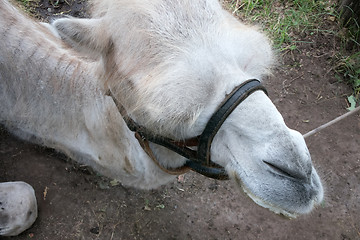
(288, 209)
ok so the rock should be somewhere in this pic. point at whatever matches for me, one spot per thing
(18, 208)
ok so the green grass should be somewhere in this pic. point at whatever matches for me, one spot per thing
(285, 21)
(350, 22)
(348, 63)
(27, 3)
(348, 67)
(29, 6)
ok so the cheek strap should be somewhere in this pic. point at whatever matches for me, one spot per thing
(199, 160)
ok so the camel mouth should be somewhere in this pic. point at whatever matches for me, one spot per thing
(285, 210)
(4, 231)
(284, 172)
(279, 211)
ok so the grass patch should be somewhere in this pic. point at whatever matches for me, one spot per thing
(350, 21)
(348, 68)
(348, 60)
(28, 3)
(29, 6)
(285, 20)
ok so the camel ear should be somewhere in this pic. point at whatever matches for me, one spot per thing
(87, 36)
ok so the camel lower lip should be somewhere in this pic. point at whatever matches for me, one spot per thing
(277, 210)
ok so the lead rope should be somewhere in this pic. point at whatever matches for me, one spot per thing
(318, 129)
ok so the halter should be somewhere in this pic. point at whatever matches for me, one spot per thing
(197, 160)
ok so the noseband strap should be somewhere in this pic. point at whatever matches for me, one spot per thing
(198, 160)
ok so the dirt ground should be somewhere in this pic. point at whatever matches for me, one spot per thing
(75, 203)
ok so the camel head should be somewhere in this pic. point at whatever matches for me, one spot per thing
(172, 63)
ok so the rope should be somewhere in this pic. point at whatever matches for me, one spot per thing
(316, 130)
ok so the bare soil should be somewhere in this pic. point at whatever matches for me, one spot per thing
(76, 203)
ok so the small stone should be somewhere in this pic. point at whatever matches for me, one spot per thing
(18, 209)
(95, 230)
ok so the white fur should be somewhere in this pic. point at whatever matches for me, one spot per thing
(170, 63)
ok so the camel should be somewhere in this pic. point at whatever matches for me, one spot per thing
(129, 90)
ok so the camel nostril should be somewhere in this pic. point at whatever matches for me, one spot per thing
(285, 172)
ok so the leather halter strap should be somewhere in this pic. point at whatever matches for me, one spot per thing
(198, 160)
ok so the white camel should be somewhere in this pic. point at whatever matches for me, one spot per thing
(165, 66)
